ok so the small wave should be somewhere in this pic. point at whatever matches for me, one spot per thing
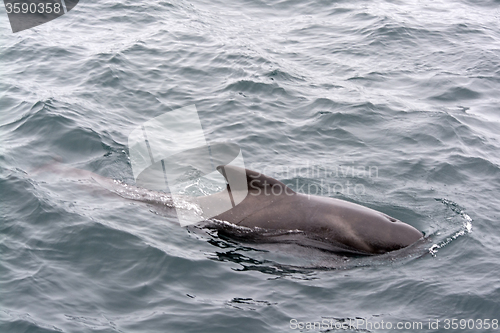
(154, 197)
(466, 226)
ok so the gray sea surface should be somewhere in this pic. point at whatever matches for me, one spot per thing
(390, 104)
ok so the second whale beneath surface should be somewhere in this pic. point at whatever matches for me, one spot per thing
(272, 212)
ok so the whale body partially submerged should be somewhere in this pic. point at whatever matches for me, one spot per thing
(274, 212)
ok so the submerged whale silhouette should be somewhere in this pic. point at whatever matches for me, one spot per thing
(274, 212)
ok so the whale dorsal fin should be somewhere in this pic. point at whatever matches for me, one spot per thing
(255, 180)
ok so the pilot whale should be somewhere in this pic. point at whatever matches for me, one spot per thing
(272, 211)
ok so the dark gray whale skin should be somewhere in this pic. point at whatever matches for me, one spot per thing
(320, 222)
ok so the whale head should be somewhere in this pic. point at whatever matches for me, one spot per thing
(395, 235)
(380, 233)
(363, 229)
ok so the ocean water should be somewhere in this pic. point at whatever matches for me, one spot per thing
(390, 104)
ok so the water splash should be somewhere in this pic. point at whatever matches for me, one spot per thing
(152, 197)
(466, 226)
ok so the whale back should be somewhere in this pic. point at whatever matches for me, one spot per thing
(283, 215)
